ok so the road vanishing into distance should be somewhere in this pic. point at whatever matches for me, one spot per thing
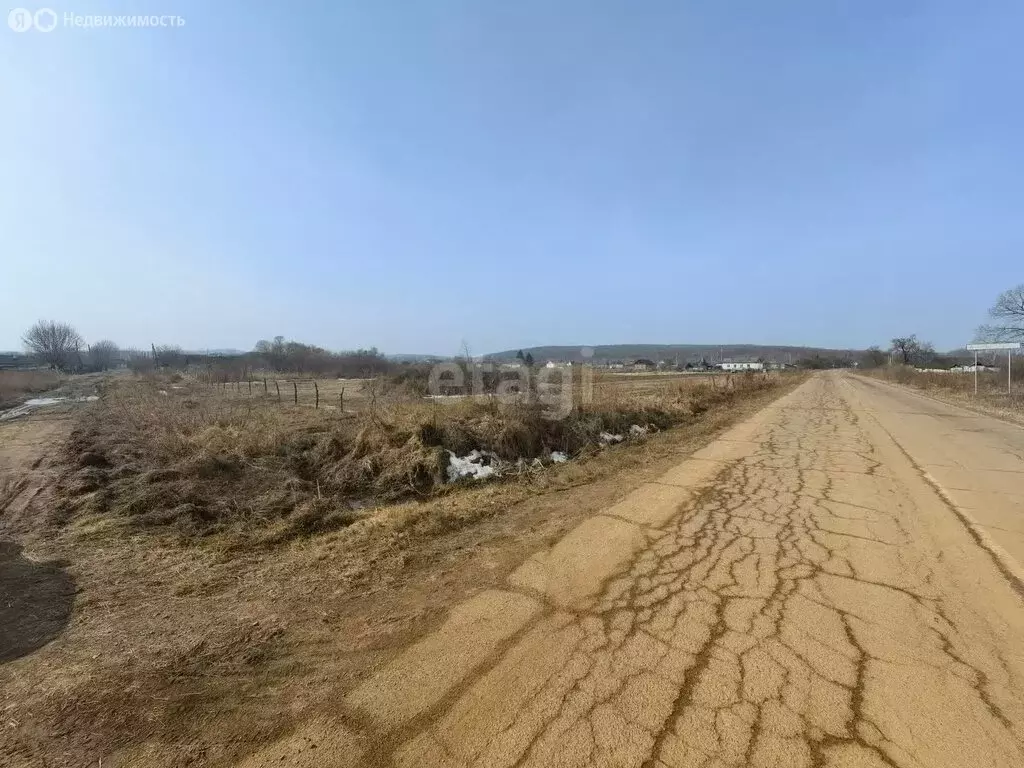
(835, 582)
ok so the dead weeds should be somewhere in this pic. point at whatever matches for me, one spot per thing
(187, 459)
(16, 385)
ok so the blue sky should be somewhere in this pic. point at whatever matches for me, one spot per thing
(411, 174)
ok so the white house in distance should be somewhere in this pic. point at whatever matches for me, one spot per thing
(971, 368)
(746, 365)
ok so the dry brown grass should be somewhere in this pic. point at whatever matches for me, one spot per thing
(14, 385)
(200, 462)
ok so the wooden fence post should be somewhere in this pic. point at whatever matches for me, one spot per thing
(264, 385)
(341, 400)
(250, 387)
(317, 393)
(296, 387)
(277, 386)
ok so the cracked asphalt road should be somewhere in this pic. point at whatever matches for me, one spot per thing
(832, 583)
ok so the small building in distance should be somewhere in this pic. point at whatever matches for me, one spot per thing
(644, 364)
(744, 365)
(702, 365)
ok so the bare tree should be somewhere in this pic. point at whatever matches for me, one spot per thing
(53, 343)
(274, 352)
(1008, 311)
(104, 355)
(169, 356)
(907, 347)
(927, 357)
(873, 357)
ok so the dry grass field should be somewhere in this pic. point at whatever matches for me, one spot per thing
(203, 461)
(203, 570)
(16, 385)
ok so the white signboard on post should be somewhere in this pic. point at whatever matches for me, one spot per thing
(1009, 346)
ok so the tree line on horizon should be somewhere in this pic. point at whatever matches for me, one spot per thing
(61, 347)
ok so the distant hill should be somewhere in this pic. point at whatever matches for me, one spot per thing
(224, 352)
(684, 352)
(416, 358)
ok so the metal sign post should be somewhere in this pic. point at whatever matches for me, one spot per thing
(1009, 347)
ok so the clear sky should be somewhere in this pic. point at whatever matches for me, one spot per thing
(412, 173)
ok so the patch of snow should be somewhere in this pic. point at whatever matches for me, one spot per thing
(637, 431)
(37, 402)
(608, 438)
(479, 465)
(40, 402)
(475, 464)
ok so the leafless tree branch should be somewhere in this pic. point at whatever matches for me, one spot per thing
(1009, 312)
(55, 344)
